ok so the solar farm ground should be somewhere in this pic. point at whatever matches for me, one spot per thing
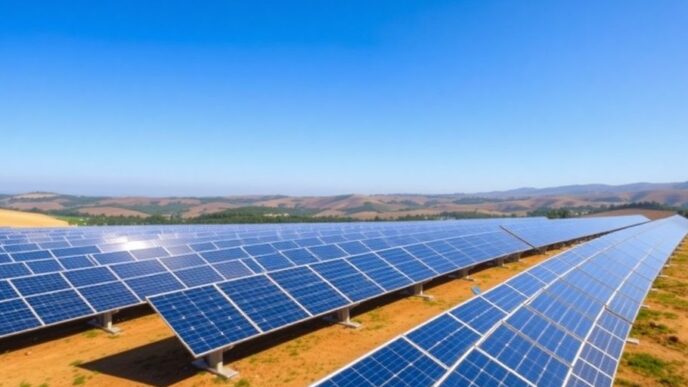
(28, 219)
(147, 353)
(662, 356)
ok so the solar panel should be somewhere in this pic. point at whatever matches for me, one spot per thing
(141, 255)
(309, 290)
(563, 322)
(191, 311)
(263, 302)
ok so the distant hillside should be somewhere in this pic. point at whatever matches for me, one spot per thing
(512, 202)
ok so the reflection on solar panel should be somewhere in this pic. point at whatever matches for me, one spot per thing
(150, 260)
(564, 328)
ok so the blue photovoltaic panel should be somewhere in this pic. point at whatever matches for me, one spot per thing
(263, 302)
(204, 318)
(308, 242)
(76, 262)
(11, 270)
(224, 255)
(274, 262)
(445, 338)
(256, 250)
(506, 298)
(300, 256)
(380, 272)
(108, 296)
(59, 306)
(137, 269)
(309, 290)
(154, 284)
(44, 266)
(197, 276)
(391, 365)
(525, 358)
(232, 269)
(31, 255)
(113, 245)
(284, 245)
(431, 258)
(16, 316)
(253, 265)
(6, 291)
(545, 333)
(202, 246)
(480, 370)
(407, 264)
(153, 252)
(182, 261)
(4, 258)
(348, 280)
(90, 276)
(40, 284)
(354, 247)
(571, 329)
(327, 252)
(526, 284)
(113, 257)
(75, 251)
(478, 314)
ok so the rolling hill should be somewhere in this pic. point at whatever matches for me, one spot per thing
(518, 201)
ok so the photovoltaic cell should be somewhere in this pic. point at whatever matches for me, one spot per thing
(105, 297)
(40, 284)
(15, 316)
(204, 317)
(263, 302)
(347, 279)
(59, 306)
(309, 290)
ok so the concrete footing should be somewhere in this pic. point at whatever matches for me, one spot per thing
(213, 363)
(344, 318)
(633, 340)
(417, 291)
(104, 322)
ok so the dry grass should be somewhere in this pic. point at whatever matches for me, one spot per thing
(660, 359)
(27, 219)
(147, 353)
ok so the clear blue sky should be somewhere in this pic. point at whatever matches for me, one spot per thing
(326, 97)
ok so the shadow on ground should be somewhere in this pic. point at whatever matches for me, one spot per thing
(160, 363)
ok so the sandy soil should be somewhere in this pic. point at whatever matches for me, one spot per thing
(146, 353)
(662, 330)
(28, 219)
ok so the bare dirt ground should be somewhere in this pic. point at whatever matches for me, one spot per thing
(146, 352)
(662, 329)
(28, 219)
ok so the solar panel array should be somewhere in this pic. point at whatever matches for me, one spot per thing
(52, 285)
(49, 276)
(277, 299)
(562, 230)
(562, 322)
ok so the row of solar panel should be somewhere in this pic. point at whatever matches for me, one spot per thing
(55, 238)
(40, 262)
(139, 273)
(262, 303)
(569, 229)
(562, 322)
(85, 292)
